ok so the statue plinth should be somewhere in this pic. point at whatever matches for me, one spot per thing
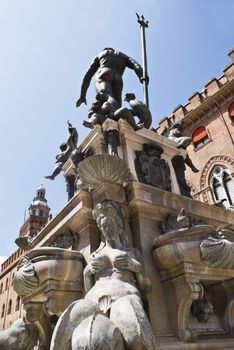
(187, 276)
(133, 170)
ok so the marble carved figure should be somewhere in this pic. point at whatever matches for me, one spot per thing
(111, 316)
(218, 251)
(20, 336)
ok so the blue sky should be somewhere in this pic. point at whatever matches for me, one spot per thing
(46, 47)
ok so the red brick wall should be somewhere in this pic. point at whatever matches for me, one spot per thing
(220, 143)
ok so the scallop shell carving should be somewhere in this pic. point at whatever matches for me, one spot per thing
(25, 279)
(103, 168)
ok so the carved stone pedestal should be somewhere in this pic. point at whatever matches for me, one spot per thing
(224, 293)
(35, 314)
(186, 278)
(190, 303)
(48, 280)
(180, 294)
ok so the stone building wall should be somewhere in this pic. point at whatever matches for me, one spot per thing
(218, 150)
(208, 109)
(10, 304)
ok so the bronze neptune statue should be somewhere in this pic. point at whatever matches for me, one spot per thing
(108, 67)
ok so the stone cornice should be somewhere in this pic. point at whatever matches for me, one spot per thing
(216, 90)
(209, 103)
(154, 202)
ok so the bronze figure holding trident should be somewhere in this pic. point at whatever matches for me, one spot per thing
(108, 67)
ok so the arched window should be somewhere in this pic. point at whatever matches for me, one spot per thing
(222, 185)
(3, 311)
(231, 111)
(1, 288)
(12, 279)
(200, 136)
(9, 307)
(17, 305)
(6, 286)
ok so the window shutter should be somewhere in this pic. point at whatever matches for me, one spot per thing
(231, 110)
(199, 134)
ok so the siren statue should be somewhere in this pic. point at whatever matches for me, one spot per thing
(111, 315)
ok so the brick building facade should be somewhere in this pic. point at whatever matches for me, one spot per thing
(208, 118)
(10, 304)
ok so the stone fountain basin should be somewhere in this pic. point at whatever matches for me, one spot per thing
(180, 246)
(56, 263)
(48, 267)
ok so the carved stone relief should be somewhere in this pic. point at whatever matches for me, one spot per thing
(72, 180)
(20, 336)
(151, 169)
(112, 139)
(202, 309)
(71, 185)
(193, 190)
(27, 279)
(103, 168)
(195, 263)
(217, 251)
(176, 222)
(66, 240)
